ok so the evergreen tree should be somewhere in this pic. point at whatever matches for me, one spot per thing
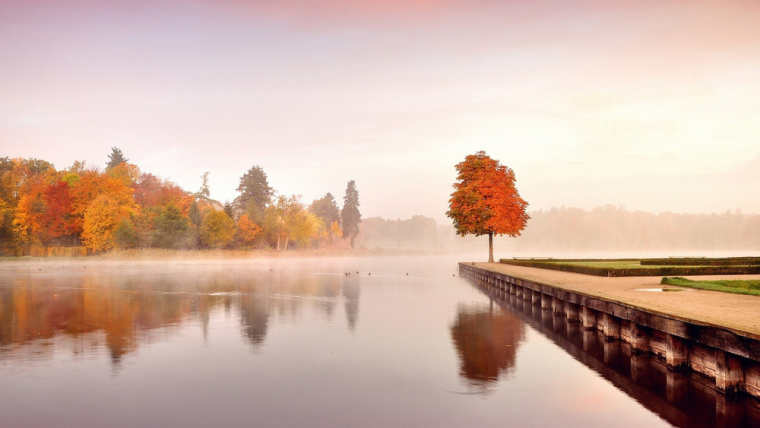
(204, 192)
(228, 210)
(115, 158)
(170, 228)
(195, 223)
(350, 215)
(255, 192)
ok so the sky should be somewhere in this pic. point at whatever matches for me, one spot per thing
(649, 105)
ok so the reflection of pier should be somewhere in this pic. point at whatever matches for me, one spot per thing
(682, 399)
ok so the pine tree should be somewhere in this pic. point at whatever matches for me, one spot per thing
(115, 158)
(255, 193)
(350, 215)
(204, 192)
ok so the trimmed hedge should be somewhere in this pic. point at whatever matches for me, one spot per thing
(616, 272)
(703, 261)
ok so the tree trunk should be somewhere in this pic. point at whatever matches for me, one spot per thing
(352, 240)
(287, 238)
(490, 247)
(278, 242)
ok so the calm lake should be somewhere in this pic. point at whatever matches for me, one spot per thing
(297, 342)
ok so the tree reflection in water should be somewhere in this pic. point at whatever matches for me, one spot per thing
(117, 312)
(486, 340)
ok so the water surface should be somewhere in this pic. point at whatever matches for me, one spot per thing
(284, 342)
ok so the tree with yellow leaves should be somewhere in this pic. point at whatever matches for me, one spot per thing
(102, 217)
(335, 231)
(217, 229)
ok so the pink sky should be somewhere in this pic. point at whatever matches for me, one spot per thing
(650, 105)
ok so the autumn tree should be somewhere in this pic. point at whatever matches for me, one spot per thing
(115, 158)
(485, 200)
(247, 230)
(303, 226)
(102, 217)
(57, 219)
(350, 215)
(327, 210)
(334, 230)
(217, 229)
(127, 173)
(255, 192)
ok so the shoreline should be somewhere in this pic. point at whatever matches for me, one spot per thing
(161, 255)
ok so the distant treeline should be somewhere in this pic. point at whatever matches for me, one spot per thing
(563, 230)
(121, 207)
(617, 229)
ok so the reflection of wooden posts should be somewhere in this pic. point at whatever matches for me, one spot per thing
(728, 412)
(639, 364)
(676, 386)
(571, 328)
(676, 352)
(589, 339)
(535, 298)
(611, 351)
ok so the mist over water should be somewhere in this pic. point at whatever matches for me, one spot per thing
(288, 342)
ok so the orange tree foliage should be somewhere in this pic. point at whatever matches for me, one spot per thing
(485, 200)
(247, 230)
(151, 191)
(102, 217)
(43, 212)
(57, 220)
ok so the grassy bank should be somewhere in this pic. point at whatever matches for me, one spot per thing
(738, 286)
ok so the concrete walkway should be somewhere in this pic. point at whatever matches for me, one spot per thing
(733, 311)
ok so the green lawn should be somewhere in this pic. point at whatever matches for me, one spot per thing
(739, 286)
(637, 267)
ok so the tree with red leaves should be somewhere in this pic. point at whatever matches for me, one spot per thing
(486, 201)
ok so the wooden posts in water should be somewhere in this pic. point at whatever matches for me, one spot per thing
(728, 372)
(588, 318)
(546, 301)
(676, 352)
(732, 360)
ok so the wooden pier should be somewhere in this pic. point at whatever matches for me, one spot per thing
(730, 358)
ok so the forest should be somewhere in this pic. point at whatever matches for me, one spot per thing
(121, 207)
